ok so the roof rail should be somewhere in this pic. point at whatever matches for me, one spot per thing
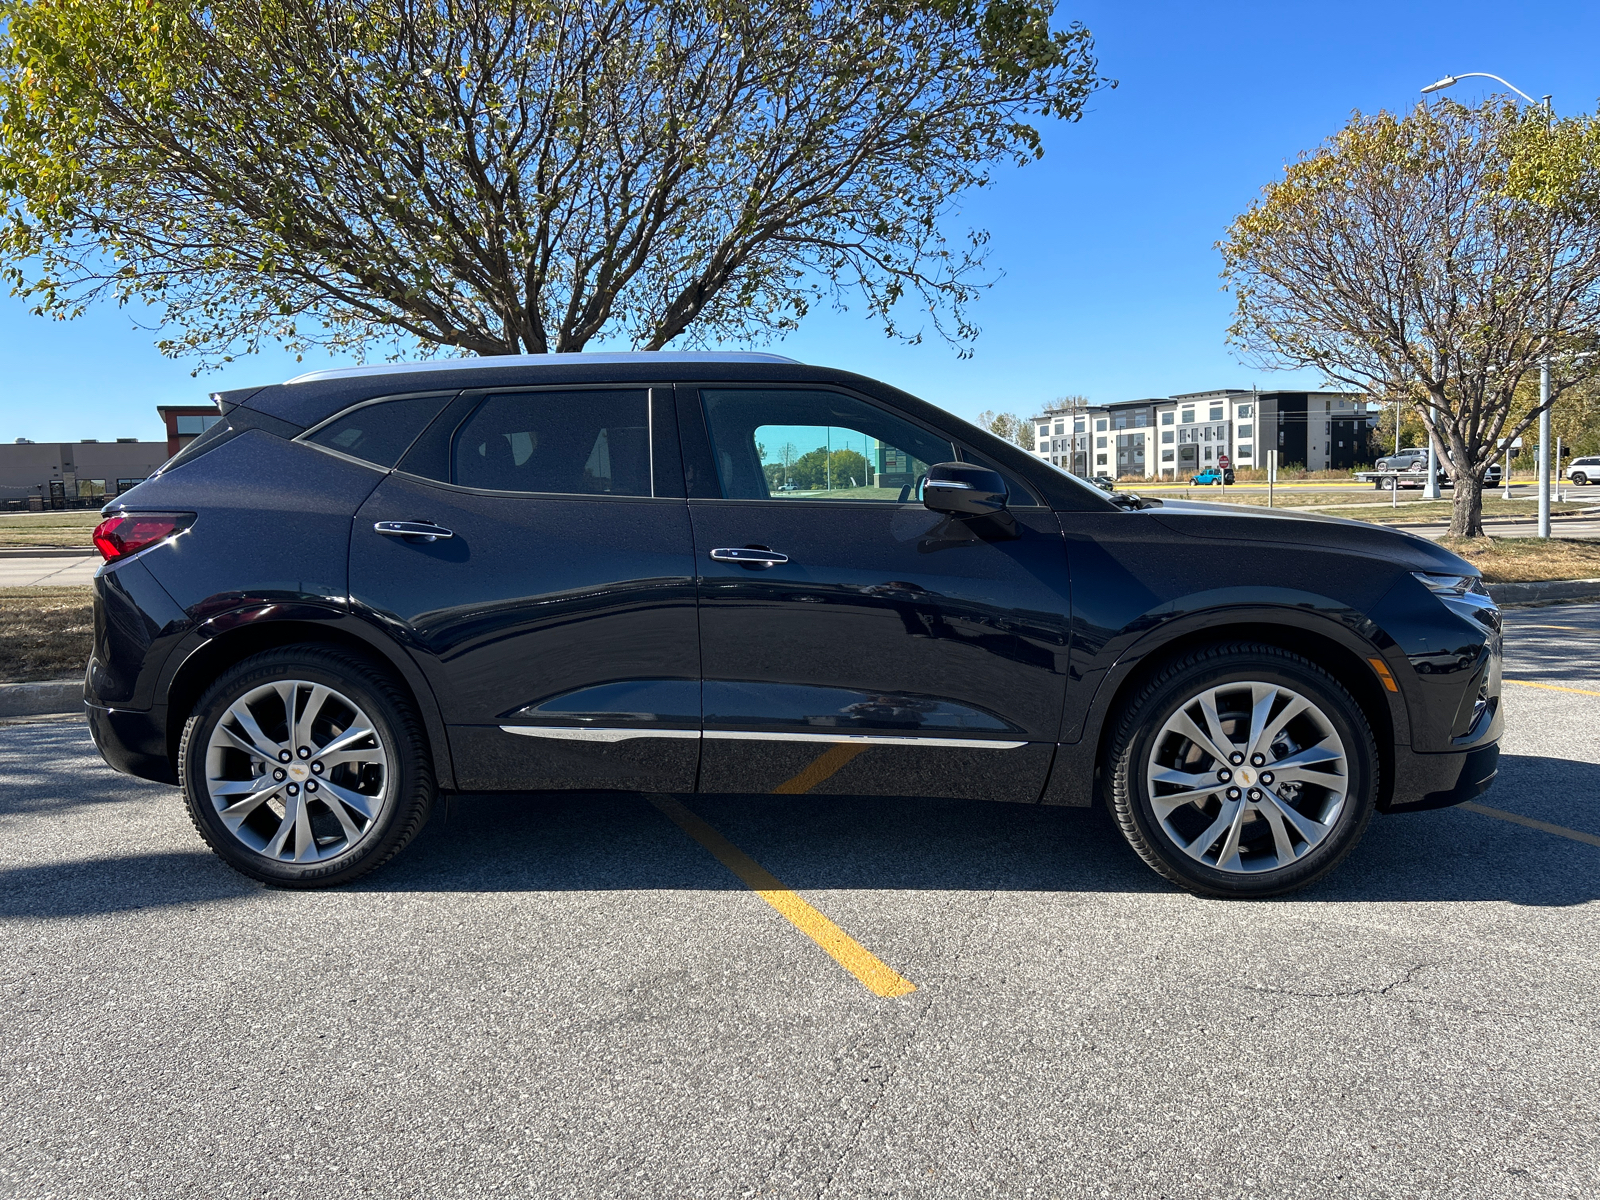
(546, 360)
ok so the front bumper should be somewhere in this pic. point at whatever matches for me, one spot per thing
(1425, 781)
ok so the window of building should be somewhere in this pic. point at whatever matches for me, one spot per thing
(1244, 410)
(1245, 451)
(1166, 456)
(1246, 430)
(191, 426)
(1166, 437)
(1208, 436)
(91, 489)
(1077, 426)
(1100, 425)
(1188, 416)
(1166, 418)
(124, 485)
(1044, 431)
(1208, 453)
(1100, 460)
(1100, 443)
(1061, 427)
(1216, 412)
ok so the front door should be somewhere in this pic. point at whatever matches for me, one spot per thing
(557, 621)
(851, 640)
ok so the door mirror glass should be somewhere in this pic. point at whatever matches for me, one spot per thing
(815, 445)
(964, 490)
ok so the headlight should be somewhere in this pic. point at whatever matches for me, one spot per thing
(1463, 595)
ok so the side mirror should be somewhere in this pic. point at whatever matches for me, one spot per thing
(964, 489)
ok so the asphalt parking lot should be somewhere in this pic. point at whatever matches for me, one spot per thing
(573, 997)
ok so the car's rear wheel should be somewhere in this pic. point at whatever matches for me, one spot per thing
(305, 767)
(1242, 770)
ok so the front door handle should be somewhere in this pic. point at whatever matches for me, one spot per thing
(423, 531)
(749, 556)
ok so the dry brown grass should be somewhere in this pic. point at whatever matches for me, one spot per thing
(1528, 560)
(70, 528)
(45, 633)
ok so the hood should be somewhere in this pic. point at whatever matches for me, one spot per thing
(1237, 523)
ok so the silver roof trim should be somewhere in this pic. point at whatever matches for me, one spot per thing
(547, 360)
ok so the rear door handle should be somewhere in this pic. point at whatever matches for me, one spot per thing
(425, 531)
(749, 556)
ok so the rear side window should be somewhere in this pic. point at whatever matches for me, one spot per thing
(379, 433)
(580, 442)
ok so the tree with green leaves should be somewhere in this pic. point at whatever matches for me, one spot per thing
(1439, 256)
(513, 176)
(1011, 427)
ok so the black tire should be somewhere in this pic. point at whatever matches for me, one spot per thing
(1177, 685)
(1579, 478)
(407, 782)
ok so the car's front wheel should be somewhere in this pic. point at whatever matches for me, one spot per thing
(1579, 478)
(1242, 770)
(305, 767)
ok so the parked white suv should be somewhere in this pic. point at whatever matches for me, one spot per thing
(1584, 470)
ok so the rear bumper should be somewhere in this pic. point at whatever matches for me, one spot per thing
(1424, 781)
(135, 743)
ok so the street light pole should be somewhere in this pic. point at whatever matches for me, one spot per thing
(1544, 365)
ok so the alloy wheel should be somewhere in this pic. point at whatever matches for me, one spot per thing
(1247, 777)
(296, 771)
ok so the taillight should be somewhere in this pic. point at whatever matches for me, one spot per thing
(128, 533)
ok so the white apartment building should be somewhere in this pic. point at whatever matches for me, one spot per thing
(1180, 436)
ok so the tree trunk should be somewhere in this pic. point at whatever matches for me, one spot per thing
(1466, 513)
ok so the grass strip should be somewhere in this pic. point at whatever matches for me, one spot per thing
(45, 633)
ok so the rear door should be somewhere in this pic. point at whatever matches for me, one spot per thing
(556, 620)
(853, 641)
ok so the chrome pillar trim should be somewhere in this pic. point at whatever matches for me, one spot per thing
(569, 733)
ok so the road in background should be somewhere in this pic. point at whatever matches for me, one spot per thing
(54, 571)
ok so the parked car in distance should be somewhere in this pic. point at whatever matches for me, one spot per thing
(1584, 470)
(1104, 482)
(1213, 475)
(367, 587)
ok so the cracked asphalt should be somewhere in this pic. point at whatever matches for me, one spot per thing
(570, 997)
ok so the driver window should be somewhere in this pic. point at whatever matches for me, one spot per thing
(813, 445)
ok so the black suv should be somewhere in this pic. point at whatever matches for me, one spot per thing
(738, 574)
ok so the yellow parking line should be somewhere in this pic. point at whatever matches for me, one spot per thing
(829, 761)
(1576, 835)
(1549, 687)
(850, 954)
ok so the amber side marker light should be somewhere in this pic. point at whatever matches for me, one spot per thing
(128, 533)
(1382, 669)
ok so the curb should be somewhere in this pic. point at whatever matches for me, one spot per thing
(35, 699)
(47, 552)
(1536, 593)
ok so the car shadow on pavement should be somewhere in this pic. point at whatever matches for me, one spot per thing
(612, 841)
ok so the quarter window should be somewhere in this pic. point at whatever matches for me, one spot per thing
(579, 442)
(814, 445)
(379, 433)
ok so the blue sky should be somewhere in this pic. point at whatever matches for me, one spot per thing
(1110, 281)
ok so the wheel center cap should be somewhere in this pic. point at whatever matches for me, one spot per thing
(1246, 776)
(299, 772)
